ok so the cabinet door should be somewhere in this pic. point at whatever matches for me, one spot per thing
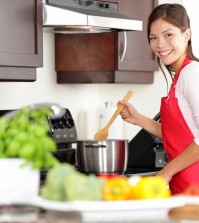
(139, 56)
(96, 55)
(20, 39)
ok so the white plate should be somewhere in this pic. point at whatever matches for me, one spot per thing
(163, 203)
(192, 200)
(118, 210)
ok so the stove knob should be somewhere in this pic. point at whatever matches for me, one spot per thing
(61, 124)
(107, 6)
(68, 123)
(57, 124)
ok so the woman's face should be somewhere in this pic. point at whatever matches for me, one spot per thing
(169, 43)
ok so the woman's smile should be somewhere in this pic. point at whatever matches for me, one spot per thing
(165, 53)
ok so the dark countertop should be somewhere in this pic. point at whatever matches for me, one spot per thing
(29, 214)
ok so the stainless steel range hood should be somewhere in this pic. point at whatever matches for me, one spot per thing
(98, 18)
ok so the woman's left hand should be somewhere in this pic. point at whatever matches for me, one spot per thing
(163, 173)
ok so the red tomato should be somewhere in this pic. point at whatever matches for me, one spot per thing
(107, 176)
(192, 190)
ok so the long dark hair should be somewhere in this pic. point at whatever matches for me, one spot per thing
(175, 14)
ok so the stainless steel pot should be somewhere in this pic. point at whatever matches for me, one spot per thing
(107, 156)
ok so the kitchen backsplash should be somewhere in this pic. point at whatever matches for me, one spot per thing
(84, 100)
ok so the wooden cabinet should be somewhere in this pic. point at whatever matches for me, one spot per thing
(21, 39)
(139, 56)
(95, 58)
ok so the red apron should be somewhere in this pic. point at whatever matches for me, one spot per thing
(176, 137)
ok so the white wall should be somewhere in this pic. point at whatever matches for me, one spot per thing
(83, 100)
(192, 9)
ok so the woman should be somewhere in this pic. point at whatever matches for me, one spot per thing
(169, 36)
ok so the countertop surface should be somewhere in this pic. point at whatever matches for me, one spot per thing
(30, 214)
(175, 209)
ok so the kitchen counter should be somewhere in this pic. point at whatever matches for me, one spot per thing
(29, 214)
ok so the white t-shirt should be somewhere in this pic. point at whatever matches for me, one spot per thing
(187, 92)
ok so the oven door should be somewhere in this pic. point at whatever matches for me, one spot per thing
(146, 153)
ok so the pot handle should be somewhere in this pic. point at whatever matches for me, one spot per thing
(95, 146)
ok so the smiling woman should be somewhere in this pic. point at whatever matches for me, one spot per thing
(169, 37)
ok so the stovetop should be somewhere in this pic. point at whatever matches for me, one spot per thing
(142, 171)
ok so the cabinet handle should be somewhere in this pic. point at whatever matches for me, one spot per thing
(123, 47)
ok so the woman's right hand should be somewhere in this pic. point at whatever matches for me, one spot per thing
(129, 113)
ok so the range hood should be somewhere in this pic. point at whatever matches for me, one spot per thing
(86, 15)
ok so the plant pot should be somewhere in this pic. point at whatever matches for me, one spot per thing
(18, 184)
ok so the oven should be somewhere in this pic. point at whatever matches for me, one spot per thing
(146, 154)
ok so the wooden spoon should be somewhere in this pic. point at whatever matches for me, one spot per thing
(103, 133)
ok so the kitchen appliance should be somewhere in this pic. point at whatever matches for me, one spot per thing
(143, 155)
(57, 110)
(105, 156)
(146, 153)
(63, 131)
(86, 15)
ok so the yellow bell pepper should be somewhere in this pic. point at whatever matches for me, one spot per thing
(150, 187)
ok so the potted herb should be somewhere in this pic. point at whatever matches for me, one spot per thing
(25, 149)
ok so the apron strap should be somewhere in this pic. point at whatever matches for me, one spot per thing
(175, 79)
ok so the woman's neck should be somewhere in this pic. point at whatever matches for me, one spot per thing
(178, 63)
